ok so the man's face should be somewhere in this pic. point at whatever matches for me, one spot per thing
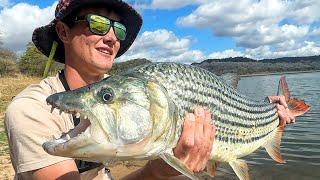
(93, 54)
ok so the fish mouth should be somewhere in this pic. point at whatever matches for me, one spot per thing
(78, 141)
(88, 140)
(74, 137)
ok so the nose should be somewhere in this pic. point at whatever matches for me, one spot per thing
(110, 37)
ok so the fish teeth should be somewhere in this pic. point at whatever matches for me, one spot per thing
(52, 108)
(68, 137)
(77, 115)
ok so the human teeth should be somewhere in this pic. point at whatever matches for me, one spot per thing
(104, 51)
(78, 115)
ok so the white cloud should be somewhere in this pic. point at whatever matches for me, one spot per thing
(294, 49)
(18, 22)
(315, 32)
(253, 23)
(174, 4)
(4, 3)
(163, 46)
(270, 35)
(304, 11)
(286, 49)
(164, 4)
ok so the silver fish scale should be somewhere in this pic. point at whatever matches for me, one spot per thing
(237, 118)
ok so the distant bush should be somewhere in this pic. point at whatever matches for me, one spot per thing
(8, 67)
(7, 54)
(33, 62)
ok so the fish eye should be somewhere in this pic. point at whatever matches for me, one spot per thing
(106, 95)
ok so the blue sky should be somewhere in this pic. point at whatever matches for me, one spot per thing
(193, 30)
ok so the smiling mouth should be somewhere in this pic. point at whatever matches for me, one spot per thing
(105, 51)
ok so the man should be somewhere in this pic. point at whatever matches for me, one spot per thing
(90, 35)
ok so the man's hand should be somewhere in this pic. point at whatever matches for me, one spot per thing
(283, 111)
(195, 144)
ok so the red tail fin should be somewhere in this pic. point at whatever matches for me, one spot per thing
(297, 107)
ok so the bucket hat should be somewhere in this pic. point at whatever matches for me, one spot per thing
(43, 37)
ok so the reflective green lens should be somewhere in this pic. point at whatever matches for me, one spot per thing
(120, 31)
(101, 25)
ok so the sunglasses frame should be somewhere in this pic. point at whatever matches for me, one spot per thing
(112, 24)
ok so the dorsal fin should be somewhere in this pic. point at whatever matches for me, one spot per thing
(231, 79)
(283, 88)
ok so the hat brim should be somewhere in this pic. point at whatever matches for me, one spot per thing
(43, 37)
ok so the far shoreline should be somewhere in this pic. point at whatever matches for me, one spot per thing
(278, 73)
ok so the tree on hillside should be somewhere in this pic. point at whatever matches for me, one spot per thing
(7, 54)
(7, 61)
(32, 62)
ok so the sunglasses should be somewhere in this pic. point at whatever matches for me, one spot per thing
(101, 25)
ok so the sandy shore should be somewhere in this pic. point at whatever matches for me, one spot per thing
(119, 170)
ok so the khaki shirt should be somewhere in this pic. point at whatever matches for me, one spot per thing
(29, 123)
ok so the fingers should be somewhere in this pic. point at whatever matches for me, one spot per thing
(186, 141)
(199, 114)
(282, 117)
(278, 99)
(195, 144)
(199, 146)
(209, 131)
(291, 117)
(284, 113)
(285, 116)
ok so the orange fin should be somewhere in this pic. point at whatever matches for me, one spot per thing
(297, 107)
(273, 146)
(211, 168)
(240, 167)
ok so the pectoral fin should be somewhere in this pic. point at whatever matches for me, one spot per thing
(178, 165)
(240, 167)
(273, 146)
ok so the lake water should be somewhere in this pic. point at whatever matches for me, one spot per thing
(300, 145)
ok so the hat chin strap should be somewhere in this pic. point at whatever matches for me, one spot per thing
(50, 59)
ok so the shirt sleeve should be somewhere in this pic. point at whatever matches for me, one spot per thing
(29, 123)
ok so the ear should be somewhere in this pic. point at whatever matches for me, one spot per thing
(63, 31)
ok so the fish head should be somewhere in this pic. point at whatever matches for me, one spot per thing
(115, 119)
